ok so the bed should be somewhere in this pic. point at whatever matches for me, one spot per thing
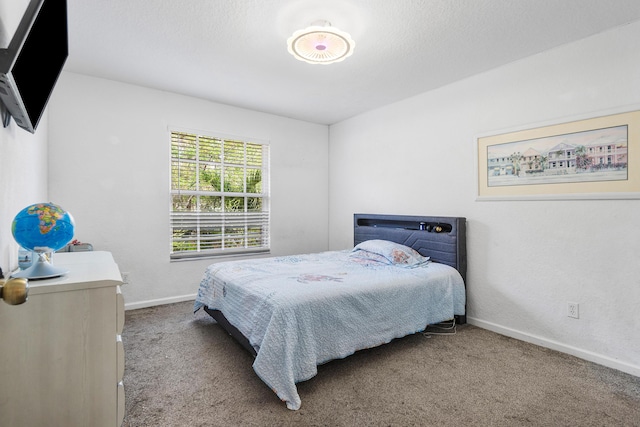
(294, 313)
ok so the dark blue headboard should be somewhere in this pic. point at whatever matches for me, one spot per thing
(441, 238)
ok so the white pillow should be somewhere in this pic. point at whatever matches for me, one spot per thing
(394, 253)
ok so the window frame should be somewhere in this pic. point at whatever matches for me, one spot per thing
(218, 230)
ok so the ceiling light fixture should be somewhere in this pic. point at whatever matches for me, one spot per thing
(320, 44)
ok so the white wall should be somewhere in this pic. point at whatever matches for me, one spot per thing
(109, 166)
(11, 12)
(527, 259)
(23, 156)
(23, 181)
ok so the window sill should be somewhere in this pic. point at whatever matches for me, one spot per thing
(220, 256)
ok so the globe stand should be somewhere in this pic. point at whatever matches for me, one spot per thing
(42, 269)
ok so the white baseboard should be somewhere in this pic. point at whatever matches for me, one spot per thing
(554, 345)
(159, 301)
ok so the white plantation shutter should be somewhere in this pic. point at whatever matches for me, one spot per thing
(219, 196)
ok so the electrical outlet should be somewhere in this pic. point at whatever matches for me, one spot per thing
(125, 277)
(573, 310)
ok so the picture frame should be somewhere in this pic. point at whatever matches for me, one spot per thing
(590, 158)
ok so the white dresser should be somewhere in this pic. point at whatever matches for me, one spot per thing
(61, 353)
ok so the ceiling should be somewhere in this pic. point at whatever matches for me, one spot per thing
(234, 51)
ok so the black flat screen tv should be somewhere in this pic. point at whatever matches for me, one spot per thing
(31, 64)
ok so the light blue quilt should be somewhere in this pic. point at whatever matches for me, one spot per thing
(301, 311)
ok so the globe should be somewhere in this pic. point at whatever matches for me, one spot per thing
(43, 225)
(42, 228)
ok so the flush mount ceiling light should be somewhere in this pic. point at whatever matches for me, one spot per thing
(320, 44)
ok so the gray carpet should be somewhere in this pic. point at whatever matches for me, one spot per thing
(183, 370)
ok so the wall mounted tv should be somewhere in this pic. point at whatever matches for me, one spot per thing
(31, 64)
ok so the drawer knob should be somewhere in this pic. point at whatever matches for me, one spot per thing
(14, 291)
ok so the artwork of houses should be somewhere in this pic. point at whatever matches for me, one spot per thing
(596, 151)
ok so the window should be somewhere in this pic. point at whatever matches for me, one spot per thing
(219, 196)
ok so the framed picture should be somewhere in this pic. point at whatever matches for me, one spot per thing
(595, 158)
